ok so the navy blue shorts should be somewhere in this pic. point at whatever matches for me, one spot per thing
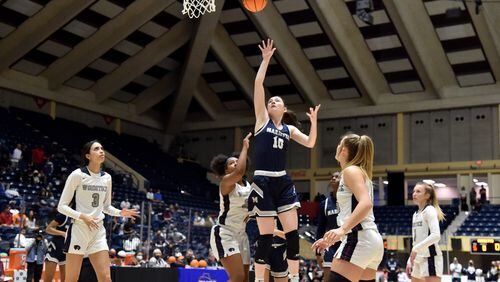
(277, 263)
(272, 195)
(55, 252)
(329, 254)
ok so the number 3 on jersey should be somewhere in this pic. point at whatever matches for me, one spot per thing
(278, 143)
(95, 200)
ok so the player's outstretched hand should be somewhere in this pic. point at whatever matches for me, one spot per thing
(313, 113)
(246, 141)
(320, 245)
(129, 213)
(267, 49)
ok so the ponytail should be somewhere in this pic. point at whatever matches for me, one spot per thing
(360, 152)
(290, 118)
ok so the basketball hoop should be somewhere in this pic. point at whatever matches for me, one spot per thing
(196, 8)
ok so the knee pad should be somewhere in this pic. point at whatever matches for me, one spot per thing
(263, 249)
(292, 245)
(335, 277)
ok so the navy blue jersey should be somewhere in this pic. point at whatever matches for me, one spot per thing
(327, 216)
(270, 145)
(63, 223)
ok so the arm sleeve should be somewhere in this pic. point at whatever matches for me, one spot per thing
(320, 231)
(108, 208)
(430, 216)
(67, 196)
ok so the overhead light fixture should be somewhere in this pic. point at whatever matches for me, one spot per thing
(429, 181)
(364, 9)
(475, 180)
(440, 185)
(482, 184)
(386, 182)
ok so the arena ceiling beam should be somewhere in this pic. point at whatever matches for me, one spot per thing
(465, 98)
(38, 86)
(151, 55)
(419, 37)
(233, 60)
(208, 99)
(290, 55)
(102, 40)
(342, 31)
(192, 68)
(487, 24)
(34, 30)
(156, 93)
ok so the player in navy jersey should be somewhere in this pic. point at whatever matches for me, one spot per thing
(90, 188)
(327, 220)
(273, 192)
(55, 255)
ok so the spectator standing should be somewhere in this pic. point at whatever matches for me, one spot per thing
(36, 254)
(456, 270)
(482, 195)
(16, 156)
(392, 266)
(472, 198)
(492, 274)
(470, 271)
(463, 200)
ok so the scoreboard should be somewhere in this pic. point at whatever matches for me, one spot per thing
(486, 246)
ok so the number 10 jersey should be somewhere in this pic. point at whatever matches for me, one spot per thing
(270, 147)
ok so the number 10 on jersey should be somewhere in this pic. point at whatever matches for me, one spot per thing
(278, 143)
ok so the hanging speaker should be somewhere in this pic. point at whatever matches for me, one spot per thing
(396, 188)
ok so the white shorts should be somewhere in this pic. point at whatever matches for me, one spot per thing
(364, 248)
(427, 266)
(225, 242)
(81, 240)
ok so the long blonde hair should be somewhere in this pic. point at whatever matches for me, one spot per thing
(360, 152)
(429, 189)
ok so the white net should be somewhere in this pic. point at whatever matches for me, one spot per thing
(196, 8)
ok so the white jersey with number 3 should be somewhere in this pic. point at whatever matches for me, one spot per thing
(91, 193)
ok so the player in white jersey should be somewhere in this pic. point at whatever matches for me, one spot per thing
(90, 188)
(426, 259)
(362, 247)
(228, 239)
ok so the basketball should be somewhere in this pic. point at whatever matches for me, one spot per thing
(194, 263)
(203, 263)
(255, 5)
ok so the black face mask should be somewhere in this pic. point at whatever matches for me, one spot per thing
(157, 256)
